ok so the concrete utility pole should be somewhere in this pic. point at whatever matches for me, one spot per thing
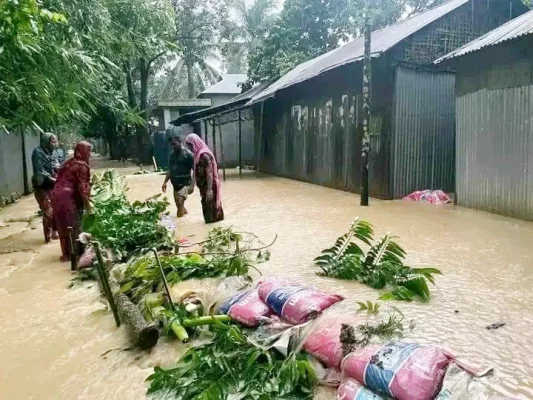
(367, 88)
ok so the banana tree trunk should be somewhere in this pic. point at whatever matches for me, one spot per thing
(145, 335)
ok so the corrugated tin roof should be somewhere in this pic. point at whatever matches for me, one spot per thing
(515, 28)
(382, 40)
(233, 104)
(228, 85)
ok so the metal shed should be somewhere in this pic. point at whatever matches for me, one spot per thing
(494, 91)
(311, 124)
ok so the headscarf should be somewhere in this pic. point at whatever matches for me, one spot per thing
(82, 155)
(44, 162)
(82, 151)
(199, 148)
(46, 138)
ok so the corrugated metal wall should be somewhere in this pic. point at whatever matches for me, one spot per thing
(11, 170)
(317, 138)
(423, 141)
(495, 150)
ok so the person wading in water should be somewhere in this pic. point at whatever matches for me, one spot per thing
(45, 166)
(180, 166)
(206, 176)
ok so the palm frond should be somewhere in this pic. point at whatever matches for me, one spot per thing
(382, 265)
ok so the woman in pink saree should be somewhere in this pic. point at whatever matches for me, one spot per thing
(206, 176)
(71, 195)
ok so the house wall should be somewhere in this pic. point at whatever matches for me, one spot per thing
(11, 162)
(313, 132)
(424, 130)
(494, 149)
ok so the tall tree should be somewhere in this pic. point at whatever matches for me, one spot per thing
(47, 74)
(307, 29)
(198, 30)
(244, 31)
(304, 29)
(144, 32)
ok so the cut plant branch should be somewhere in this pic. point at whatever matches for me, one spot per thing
(381, 266)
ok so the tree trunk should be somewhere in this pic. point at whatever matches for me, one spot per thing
(132, 102)
(142, 130)
(190, 80)
(145, 335)
(367, 87)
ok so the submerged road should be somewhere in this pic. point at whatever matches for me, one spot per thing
(55, 341)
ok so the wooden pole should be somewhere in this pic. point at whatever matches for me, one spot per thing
(73, 253)
(206, 132)
(260, 141)
(104, 282)
(367, 87)
(222, 153)
(240, 144)
(214, 139)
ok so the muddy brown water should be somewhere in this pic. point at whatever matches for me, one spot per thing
(55, 342)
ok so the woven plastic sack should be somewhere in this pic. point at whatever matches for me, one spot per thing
(350, 389)
(404, 371)
(247, 308)
(295, 303)
(323, 338)
(87, 259)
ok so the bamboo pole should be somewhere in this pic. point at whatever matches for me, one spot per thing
(104, 282)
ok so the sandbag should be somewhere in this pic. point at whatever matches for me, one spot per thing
(350, 389)
(323, 338)
(87, 259)
(247, 308)
(295, 303)
(401, 370)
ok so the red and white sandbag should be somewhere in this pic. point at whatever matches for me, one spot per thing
(323, 340)
(295, 303)
(247, 308)
(404, 371)
(87, 259)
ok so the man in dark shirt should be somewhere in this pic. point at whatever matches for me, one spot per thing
(180, 166)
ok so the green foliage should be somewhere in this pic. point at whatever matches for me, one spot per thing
(125, 227)
(46, 75)
(128, 228)
(306, 29)
(142, 275)
(107, 185)
(380, 267)
(229, 366)
(303, 30)
(197, 33)
(225, 253)
(369, 307)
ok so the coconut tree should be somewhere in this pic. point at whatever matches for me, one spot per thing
(243, 33)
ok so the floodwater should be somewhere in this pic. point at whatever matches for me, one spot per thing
(59, 343)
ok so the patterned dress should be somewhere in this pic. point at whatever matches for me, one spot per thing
(73, 184)
(212, 212)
